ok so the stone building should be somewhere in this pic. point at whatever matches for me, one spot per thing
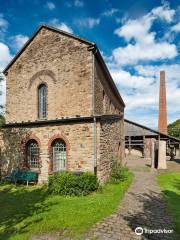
(63, 110)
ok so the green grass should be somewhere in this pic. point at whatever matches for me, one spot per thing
(26, 212)
(170, 185)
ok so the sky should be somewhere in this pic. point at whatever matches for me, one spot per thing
(137, 39)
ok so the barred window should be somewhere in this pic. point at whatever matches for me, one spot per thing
(42, 101)
(33, 154)
(59, 155)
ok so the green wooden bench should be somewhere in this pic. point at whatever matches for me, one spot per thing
(22, 176)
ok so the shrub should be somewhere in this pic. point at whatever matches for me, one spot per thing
(66, 183)
(119, 173)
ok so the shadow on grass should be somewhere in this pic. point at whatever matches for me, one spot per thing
(18, 203)
(154, 215)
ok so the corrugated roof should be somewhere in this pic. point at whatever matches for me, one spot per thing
(145, 131)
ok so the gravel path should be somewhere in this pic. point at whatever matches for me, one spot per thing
(142, 206)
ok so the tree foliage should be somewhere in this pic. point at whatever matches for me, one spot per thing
(2, 120)
(174, 129)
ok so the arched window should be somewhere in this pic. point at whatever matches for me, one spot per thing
(32, 150)
(59, 155)
(42, 101)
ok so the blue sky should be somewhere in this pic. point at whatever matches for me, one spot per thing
(136, 38)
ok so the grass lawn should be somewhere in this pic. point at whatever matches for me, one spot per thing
(31, 211)
(170, 185)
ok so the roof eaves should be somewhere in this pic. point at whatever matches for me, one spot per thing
(152, 130)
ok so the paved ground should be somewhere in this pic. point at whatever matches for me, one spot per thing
(172, 166)
(142, 206)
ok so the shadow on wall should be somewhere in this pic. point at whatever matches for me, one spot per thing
(153, 216)
(12, 149)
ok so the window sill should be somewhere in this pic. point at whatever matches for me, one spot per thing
(37, 170)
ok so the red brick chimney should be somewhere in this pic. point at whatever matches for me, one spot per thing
(162, 123)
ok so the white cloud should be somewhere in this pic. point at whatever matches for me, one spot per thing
(60, 25)
(3, 26)
(137, 29)
(3, 22)
(50, 5)
(88, 22)
(172, 82)
(132, 54)
(5, 55)
(125, 79)
(78, 3)
(176, 28)
(4, 60)
(110, 12)
(140, 91)
(18, 41)
(164, 12)
(138, 82)
(75, 3)
(145, 46)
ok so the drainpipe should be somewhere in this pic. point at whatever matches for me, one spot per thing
(93, 112)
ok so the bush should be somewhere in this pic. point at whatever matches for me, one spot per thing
(66, 183)
(119, 173)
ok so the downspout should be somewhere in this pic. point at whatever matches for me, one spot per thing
(93, 111)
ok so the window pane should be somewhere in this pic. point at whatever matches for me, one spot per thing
(42, 92)
(33, 154)
(59, 155)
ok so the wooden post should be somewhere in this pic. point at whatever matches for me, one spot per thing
(152, 154)
(144, 142)
(129, 146)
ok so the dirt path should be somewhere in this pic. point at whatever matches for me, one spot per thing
(142, 206)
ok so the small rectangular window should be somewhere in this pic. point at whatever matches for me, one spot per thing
(42, 101)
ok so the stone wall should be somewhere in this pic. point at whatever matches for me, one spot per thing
(111, 141)
(148, 147)
(105, 100)
(78, 138)
(11, 149)
(64, 64)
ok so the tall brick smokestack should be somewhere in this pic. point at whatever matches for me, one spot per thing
(162, 123)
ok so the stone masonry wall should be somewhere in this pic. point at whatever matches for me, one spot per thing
(105, 100)
(78, 138)
(64, 64)
(111, 143)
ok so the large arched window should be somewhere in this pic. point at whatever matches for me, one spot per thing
(42, 101)
(59, 155)
(32, 150)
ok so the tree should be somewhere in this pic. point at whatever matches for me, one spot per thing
(174, 129)
(2, 120)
